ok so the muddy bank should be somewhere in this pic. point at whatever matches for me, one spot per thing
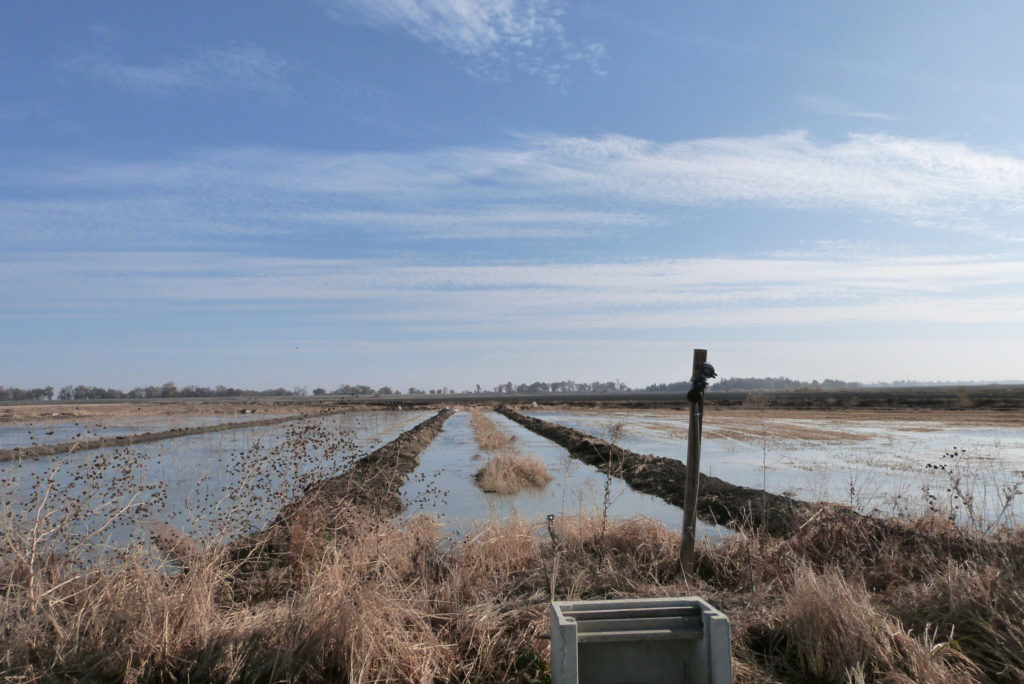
(44, 450)
(370, 488)
(106, 410)
(719, 501)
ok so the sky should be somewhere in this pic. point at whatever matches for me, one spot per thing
(448, 192)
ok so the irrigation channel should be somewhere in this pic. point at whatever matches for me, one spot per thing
(443, 484)
(412, 468)
(227, 484)
(720, 501)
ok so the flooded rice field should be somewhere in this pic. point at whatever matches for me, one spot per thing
(443, 484)
(213, 485)
(892, 464)
(223, 484)
(57, 431)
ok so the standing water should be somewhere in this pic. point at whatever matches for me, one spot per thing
(443, 484)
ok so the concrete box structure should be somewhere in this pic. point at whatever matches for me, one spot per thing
(639, 641)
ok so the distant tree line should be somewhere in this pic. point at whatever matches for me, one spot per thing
(16, 394)
(779, 384)
(559, 387)
(169, 390)
(668, 387)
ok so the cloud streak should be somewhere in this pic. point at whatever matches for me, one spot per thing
(533, 186)
(489, 34)
(891, 316)
(231, 69)
(533, 299)
(832, 107)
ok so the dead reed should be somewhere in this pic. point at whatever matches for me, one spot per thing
(508, 471)
(394, 603)
(510, 474)
(354, 597)
(487, 435)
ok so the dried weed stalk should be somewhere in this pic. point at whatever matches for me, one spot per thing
(508, 471)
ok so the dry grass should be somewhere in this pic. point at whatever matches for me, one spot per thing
(510, 474)
(395, 603)
(488, 436)
(508, 471)
(833, 631)
(351, 597)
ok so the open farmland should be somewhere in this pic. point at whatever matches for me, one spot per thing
(216, 484)
(262, 530)
(891, 462)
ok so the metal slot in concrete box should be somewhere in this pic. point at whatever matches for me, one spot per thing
(640, 641)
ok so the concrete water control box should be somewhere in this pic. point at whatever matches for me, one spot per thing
(639, 641)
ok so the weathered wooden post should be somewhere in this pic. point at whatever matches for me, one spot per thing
(702, 372)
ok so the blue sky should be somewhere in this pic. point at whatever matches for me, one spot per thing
(446, 192)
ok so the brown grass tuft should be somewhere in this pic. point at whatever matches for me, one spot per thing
(830, 630)
(489, 436)
(508, 471)
(509, 474)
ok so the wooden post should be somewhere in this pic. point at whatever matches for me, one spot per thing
(693, 436)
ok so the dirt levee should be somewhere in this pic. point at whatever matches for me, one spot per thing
(719, 501)
(44, 450)
(370, 487)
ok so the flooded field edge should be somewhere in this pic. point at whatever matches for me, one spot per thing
(337, 586)
(370, 486)
(720, 501)
(45, 450)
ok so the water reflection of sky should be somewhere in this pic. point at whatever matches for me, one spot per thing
(871, 464)
(58, 431)
(443, 484)
(239, 476)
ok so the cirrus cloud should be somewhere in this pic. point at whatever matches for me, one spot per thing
(227, 69)
(489, 34)
(532, 186)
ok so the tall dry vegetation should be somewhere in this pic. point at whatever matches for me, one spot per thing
(390, 602)
(511, 474)
(507, 471)
(488, 436)
(844, 599)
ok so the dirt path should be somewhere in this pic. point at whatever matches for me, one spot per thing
(719, 502)
(44, 450)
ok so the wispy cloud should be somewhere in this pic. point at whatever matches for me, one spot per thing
(534, 299)
(490, 34)
(833, 107)
(535, 185)
(214, 69)
(499, 222)
(864, 316)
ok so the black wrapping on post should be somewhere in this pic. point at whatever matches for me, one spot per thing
(701, 374)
